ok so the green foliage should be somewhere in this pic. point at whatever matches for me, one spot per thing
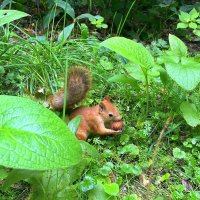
(177, 46)
(131, 169)
(65, 33)
(66, 7)
(105, 170)
(131, 50)
(190, 113)
(87, 184)
(178, 192)
(125, 79)
(105, 63)
(181, 68)
(63, 7)
(135, 53)
(147, 84)
(41, 71)
(74, 123)
(98, 193)
(165, 177)
(178, 153)
(178, 65)
(7, 16)
(53, 184)
(98, 22)
(130, 149)
(181, 71)
(57, 7)
(32, 138)
(131, 197)
(138, 19)
(5, 3)
(111, 189)
(190, 20)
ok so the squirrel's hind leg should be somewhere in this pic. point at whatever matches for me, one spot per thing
(81, 134)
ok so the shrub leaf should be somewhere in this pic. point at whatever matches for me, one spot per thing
(177, 46)
(111, 189)
(130, 49)
(65, 33)
(190, 113)
(32, 137)
(177, 153)
(186, 73)
(7, 16)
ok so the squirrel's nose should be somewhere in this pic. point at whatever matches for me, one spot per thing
(119, 118)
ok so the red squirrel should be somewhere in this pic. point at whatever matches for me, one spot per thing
(102, 119)
(97, 119)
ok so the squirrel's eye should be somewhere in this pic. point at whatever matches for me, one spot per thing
(110, 115)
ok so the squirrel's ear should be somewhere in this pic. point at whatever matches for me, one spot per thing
(101, 107)
(107, 98)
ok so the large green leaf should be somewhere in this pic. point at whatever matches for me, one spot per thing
(111, 189)
(98, 193)
(87, 184)
(5, 3)
(135, 71)
(66, 7)
(17, 175)
(184, 17)
(182, 25)
(190, 113)
(7, 16)
(197, 32)
(186, 73)
(193, 14)
(131, 50)
(177, 46)
(50, 16)
(65, 33)
(122, 78)
(32, 137)
(74, 123)
(85, 15)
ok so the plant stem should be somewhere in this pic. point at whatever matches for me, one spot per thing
(167, 123)
(121, 27)
(147, 88)
(65, 90)
(147, 92)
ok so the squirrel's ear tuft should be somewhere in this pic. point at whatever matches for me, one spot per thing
(107, 98)
(102, 107)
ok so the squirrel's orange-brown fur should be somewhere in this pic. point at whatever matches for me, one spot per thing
(78, 84)
(97, 119)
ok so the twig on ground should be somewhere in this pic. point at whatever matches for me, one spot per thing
(155, 154)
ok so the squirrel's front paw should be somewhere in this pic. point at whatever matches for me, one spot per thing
(118, 132)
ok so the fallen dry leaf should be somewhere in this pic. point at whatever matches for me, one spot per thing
(41, 90)
(143, 180)
(187, 185)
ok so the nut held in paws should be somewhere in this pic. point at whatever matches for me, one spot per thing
(117, 125)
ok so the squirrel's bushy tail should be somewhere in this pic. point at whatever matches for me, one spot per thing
(78, 84)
